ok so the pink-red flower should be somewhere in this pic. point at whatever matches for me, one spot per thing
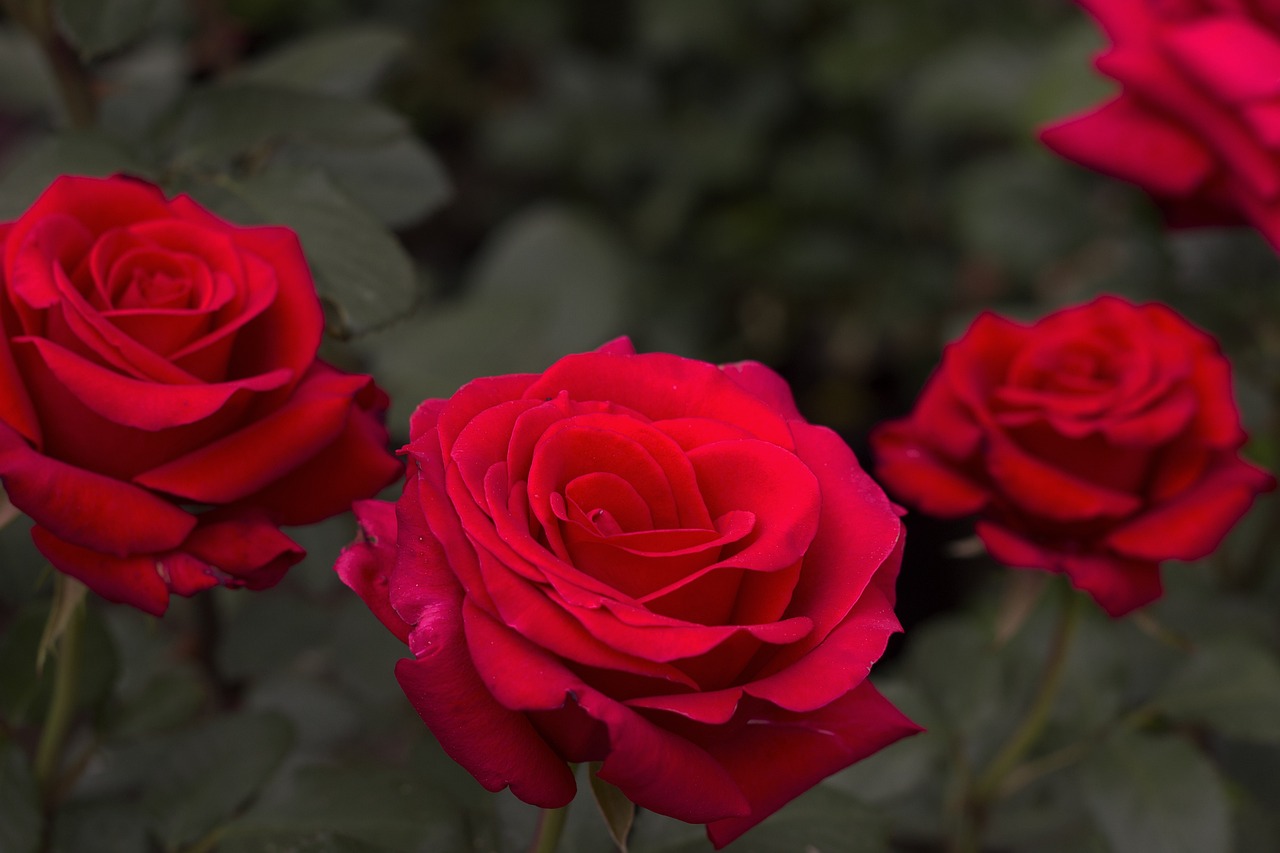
(1197, 120)
(162, 409)
(1097, 442)
(645, 561)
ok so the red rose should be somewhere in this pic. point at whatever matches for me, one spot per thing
(645, 561)
(162, 409)
(1197, 123)
(1096, 442)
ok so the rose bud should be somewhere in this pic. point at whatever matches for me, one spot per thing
(644, 561)
(1097, 442)
(162, 409)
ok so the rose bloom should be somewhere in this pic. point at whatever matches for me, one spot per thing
(645, 561)
(162, 409)
(1197, 122)
(1096, 442)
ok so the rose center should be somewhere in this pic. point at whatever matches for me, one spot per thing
(604, 522)
(155, 289)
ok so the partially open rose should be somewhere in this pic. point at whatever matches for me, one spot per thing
(162, 409)
(644, 561)
(1097, 442)
(1197, 120)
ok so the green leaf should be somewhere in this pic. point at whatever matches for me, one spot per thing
(168, 700)
(69, 153)
(820, 819)
(188, 782)
(1230, 686)
(1155, 793)
(106, 826)
(20, 815)
(216, 125)
(548, 283)
(96, 27)
(398, 179)
(359, 265)
(618, 811)
(349, 61)
(203, 777)
(383, 807)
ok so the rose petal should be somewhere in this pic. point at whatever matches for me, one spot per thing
(355, 464)
(1039, 488)
(251, 458)
(131, 580)
(916, 475)
(88, 509)
(1191, 525)
(764, 384)
(1126, 141)
(775, 756)
(1234, 58)
(1118, 584)
(495, 744)
(130, 402)
(244, 547)
(661, 386)
(656, 769)
(859, 538)
(366, 565)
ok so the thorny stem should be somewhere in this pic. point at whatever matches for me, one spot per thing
(57, 722)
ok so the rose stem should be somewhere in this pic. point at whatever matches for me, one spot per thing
(74, 83)
(62, 706)
(550, 827)
(987, 787)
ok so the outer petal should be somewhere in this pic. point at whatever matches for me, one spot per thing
(244, 548)
(144, 405)
(655, 768)
(253, 457)
(128, 580)
(915, 474)
(88, 509)
(495, 744)
(1133, 144)
(776, 755)
(356, 465)
(1191, 525)
(661, 386)
(765, 384)
(366, 565)
(1118, 584)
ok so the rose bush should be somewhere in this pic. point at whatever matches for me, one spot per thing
(1097, 443)
(162, 409)
(1197, 122)
(644, 561)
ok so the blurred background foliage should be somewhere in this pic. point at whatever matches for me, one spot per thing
(832, 187)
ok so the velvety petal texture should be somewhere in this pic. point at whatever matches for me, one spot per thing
(1097, 442)
(644, 561)
(162, 409)
(1196, 122)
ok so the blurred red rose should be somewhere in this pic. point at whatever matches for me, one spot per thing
(1197, 122)
(162, 409)
(1097, 442)
(641, 560)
